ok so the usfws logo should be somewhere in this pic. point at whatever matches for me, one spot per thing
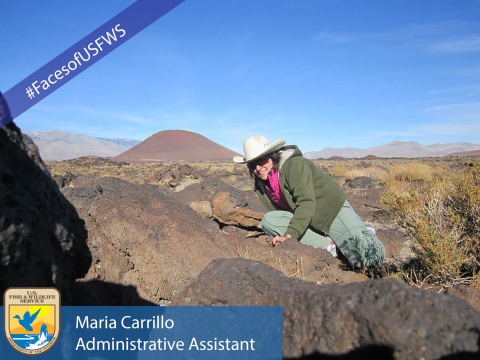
(31, 319)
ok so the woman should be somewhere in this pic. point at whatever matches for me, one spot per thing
(304, 203)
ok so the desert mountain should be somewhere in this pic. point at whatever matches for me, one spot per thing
(62, 145)
(396, 148)
(176, 145)
(467, 153)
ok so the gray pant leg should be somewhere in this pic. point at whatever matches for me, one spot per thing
(275, 223)
(358, 244)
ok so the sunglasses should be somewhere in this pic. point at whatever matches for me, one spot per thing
(252, 165)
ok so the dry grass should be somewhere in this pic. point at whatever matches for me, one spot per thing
(442, 212)
(374, 172)
(275, 261)
(414, 171)
(476, 282)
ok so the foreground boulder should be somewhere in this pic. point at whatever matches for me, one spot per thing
(141, 238)
(374, 319)
(42, 239)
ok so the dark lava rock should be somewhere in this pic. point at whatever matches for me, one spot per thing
(364, 320)
(42, 239)
(141, 238)
(64, 180)
(361, 182)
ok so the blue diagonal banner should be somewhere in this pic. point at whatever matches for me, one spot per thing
(84, 54)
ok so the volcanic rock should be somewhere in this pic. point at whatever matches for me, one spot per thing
(208, 190)
(42, 239)
(361, 182)
(176, 145)
(382, 318)
(203, 208)
(141, 237)
(226, 211)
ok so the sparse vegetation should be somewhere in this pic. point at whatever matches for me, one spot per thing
(414, 171)
(339, 170)
(437, 200)
(345, 172)
(442, 212)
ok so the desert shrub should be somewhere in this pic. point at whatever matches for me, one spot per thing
(466, 199)
(376, 173)
(476, 282)
(443, 214)
(338, 170)
(351, 173)
(413, 171)
(403, 202)
(441, 171)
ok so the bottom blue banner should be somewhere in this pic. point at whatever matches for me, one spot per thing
(221, 332)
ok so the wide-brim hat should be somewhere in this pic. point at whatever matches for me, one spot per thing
(256, 146)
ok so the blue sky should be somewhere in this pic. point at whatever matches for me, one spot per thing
(315, 73)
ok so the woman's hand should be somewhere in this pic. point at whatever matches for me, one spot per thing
(279, 239)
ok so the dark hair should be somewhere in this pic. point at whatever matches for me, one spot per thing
(275, 156)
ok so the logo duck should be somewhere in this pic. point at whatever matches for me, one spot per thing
(27, 320)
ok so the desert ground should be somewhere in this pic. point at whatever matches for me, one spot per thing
(109, 233)
(223, 203)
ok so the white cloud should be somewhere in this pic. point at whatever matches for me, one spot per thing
(446, 37)
(469, 43)
(472, 89)
(464, 106)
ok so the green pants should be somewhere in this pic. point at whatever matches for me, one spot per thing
(357, 243)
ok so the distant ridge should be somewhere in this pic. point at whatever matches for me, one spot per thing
(466, 153)
(63, 145)
(176, 145)
(396, 149)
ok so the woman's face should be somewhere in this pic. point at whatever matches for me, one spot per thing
(261, 167)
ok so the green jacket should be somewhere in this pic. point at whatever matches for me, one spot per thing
(316, 198)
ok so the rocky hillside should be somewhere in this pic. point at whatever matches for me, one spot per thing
(218, 196)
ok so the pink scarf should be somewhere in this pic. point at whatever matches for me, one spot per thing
(272, 189)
